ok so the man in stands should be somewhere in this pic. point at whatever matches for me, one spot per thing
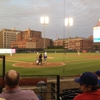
(12, 89)
(89, 85)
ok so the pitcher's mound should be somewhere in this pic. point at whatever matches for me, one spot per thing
(34, 65)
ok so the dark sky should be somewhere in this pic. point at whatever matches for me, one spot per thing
(24, 14)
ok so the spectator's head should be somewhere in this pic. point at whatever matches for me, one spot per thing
(98, 73)
(12, 79)
(88, 81)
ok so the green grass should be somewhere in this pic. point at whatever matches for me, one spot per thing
(74, 64)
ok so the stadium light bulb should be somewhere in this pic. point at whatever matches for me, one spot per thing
(68, 21)
(44, 20)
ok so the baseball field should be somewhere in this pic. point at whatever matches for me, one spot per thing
(62, 64)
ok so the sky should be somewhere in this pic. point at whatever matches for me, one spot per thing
(24, 14)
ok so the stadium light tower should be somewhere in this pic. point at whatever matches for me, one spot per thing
(44, 21)
(68, 22)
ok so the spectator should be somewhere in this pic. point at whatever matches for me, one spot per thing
(13, 91)
(88, 83)
(98, 75)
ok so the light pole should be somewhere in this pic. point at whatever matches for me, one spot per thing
(44, 21)
(68, 22)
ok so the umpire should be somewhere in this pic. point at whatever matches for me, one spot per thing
(40, 60)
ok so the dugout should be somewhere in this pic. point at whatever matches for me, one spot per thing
(28, 50)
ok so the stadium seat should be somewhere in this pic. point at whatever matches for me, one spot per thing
(69, 94)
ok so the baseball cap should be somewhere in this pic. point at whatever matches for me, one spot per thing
(98, 72)
(87, 78)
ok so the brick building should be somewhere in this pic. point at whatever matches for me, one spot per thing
(76, 43)
(30, 39)
(6, 37)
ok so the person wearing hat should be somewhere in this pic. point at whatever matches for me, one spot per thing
(89, 86)
(98, 75)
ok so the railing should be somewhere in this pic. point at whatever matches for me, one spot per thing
(3, 72)
(47, 86)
